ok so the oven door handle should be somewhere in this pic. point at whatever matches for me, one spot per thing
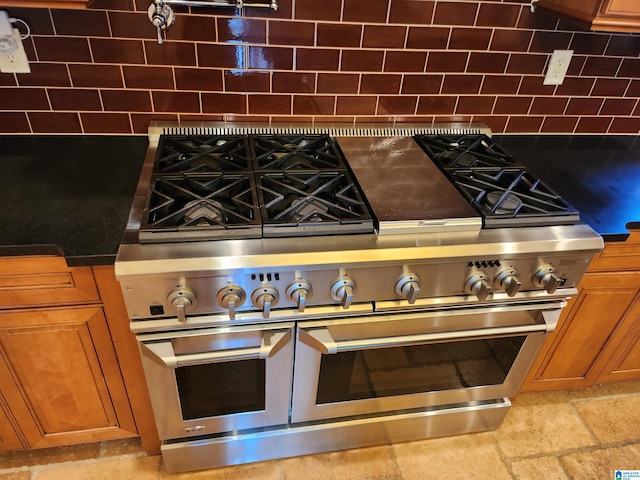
(320, 338)
(164, 355)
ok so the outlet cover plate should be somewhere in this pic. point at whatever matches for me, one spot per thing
(558, 66)
(16, 61)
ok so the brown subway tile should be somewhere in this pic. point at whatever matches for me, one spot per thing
(470, 38)
(117, 51)
(422, 84)
(246, 81)
(285, 10)
(501, 84)
(193, 28)
(405, 61)
(181, 102)
(39, 19)
(8, 80)
(629, 68)
(293, 82)
(365, 119)
(559, 124)
(132, 25)
(625, 125)
(75, 99)
(534, 86)
(549, 41)
(496, 123)
(338, 35)
(475, 104)
(462, 84)
(511, 40)
(82, 23)
(528, 124)
(365, 11)
(609, 87)
(170, 53)
(224, 103)
(318, 59)
(329, 10)
(272, 58)
(589, 43)
(618, 106)
(89, 75)
(362, 60)
(194, 117)
(241, 30)
(313, 105)
(338, 83)
(141, 121)
(584, 106)
(198, 79)
(411, 12)
(446, 62)
(62, 49)
(576, 65)
(540, 20)
(336, 119)
(55, 122)
(624, 46)
(270, 104)
(148, 77)
(487, 62)
(23, 98)
(383, 36)
(549, 105)
(634, 89)
(521, 63)
(373, 83)
(428, 37)
(397, 105)
(498, 15)
(45, 74)
(30, 49)
(436, 105)
(415, 119)
(292, 33)
(105, 122)
(14, 122)
(221, 56)
(455, 13)
(126, 100)
(593, 124)
(112, 5)
(512, 105)
(356, 105)
(601, 67)
(573, 86)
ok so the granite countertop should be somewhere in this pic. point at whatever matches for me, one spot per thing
(67, 195)
(599, 175)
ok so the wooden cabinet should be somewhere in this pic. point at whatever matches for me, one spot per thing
(602, 15)
(61, 377)
(598, 336)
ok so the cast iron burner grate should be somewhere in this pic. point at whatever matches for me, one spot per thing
(296, 152)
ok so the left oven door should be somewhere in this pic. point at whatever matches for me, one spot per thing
(216, 380)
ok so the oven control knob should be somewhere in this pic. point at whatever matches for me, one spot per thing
(231, 297)
(477, 283)
(265, 298)
(342, 290)
(184, 300)
(507, 280)
(408, 286)
(299, 292)
(545, 277)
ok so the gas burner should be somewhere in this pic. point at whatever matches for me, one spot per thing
(503, 203)
(465, 151)
(301, 152)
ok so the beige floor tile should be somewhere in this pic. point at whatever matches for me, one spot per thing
(43, 456)
(612, 419)
(358, 464)
(543, 468)
(527, 399)
(625, 386)
(127, 446)
(16, 476)
(254, 471)
(601, 464)
(465, 456)
(141, 468)
(539, 424)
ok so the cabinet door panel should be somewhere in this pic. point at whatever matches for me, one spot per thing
(623, 7)
(9, 439)
(624, 363)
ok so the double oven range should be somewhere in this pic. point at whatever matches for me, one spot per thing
(304, 289)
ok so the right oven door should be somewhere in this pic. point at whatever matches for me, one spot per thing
(381, 363)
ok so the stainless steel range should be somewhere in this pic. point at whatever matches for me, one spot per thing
(304, 289)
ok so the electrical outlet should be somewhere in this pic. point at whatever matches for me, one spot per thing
(16, 61)
(558, 66)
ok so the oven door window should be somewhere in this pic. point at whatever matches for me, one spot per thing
(384, 372)
(221, 388)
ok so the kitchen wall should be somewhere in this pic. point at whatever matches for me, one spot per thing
(101, 70)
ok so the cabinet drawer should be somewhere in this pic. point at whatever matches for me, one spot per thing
(36, 281)
(619, 255)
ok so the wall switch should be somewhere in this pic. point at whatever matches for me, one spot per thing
(558, 66)
(15, 61)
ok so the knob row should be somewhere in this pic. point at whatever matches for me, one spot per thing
(478, 283)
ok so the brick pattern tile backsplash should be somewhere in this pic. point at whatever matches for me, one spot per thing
(101, 70)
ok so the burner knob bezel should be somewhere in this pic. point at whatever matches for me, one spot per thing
(265, 298)
(231, 297)
(477, 283)
(507, 280)
(545, 277)
(342, 290)
(299, 292)
(183, 300)
(408, 286)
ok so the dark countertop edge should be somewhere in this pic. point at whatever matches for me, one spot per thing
(56, 251)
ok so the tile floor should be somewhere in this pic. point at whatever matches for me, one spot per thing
(573, 434)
